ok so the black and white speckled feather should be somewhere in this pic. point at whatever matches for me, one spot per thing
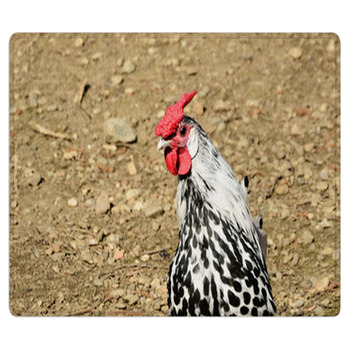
(218, 267)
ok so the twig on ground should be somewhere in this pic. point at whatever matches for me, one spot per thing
(42, 130)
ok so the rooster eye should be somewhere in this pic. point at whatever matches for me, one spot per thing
(183, 131)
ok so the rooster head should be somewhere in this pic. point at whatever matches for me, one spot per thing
(177, 137)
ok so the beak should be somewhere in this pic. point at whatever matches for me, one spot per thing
(162, 144)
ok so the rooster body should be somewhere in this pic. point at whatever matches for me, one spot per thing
(219, 266)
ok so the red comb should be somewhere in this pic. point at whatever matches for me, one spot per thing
(173, 116)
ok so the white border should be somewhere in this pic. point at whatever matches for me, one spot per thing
(179, 16)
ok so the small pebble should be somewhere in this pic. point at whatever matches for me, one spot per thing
(308, 147)
(153, 211)
(129, 91)
(298, 304)
(294, 130)
(282, 189)
(322, 186)
(132, 168)
(116, 80)
(320, 284)
(102, 203)
(132, 193)
(307, 237)
(128, 67)
(221, 106)
(295, 52)
(155, 226)
(327, 250)
(52, 108)
(97, 282)
(145, 258)
(72, 202)
(198, 108)
(324, 174)
(79, 42)
(86, 256)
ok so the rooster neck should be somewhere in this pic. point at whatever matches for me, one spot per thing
(212, 182)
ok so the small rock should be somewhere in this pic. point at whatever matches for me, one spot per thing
(295, 52)
(325, 302)
(79, 42)
(319, 311)
(295, 259)
(116, 80)
(204, 91)
(59, 297)
(118, 130)
(320, 284)
(84, 61)
(294, 130)
(323, 107)
(97, 282)
(145, 258)
(49, 251)
(297, 304)
(34, 179)
(96, 56)
(248, 56)
(198, 108)
(128, 67)
(118, 254)
(86, 256)
(56, 247)
(132, 299)
(191, 70)
(120, 304)
(132, 193)
(322, 186)
(56, 268)
(32, 100)
(72, 202)
(331, 45)
(324, 174)
(324, 224)
(52, 108)
(102, 203)
(308, 147)
(221, 106)
(252, 103)
(129, 91)
(153, 211)
(92, 241)
(138, 206)
(132, 168)
(307, 237)
(70, 154)
(327, 250)
(281, 189)
(155, 226)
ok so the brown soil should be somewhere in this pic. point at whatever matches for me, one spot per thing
(269, 102)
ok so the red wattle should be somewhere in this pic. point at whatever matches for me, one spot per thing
(171, 159)
(185, 161)
(178, 160)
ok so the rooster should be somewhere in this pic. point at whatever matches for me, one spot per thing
(219, 267)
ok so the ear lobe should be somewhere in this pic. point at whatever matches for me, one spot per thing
(192, 143)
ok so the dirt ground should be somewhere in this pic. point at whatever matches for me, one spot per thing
(93, 222)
